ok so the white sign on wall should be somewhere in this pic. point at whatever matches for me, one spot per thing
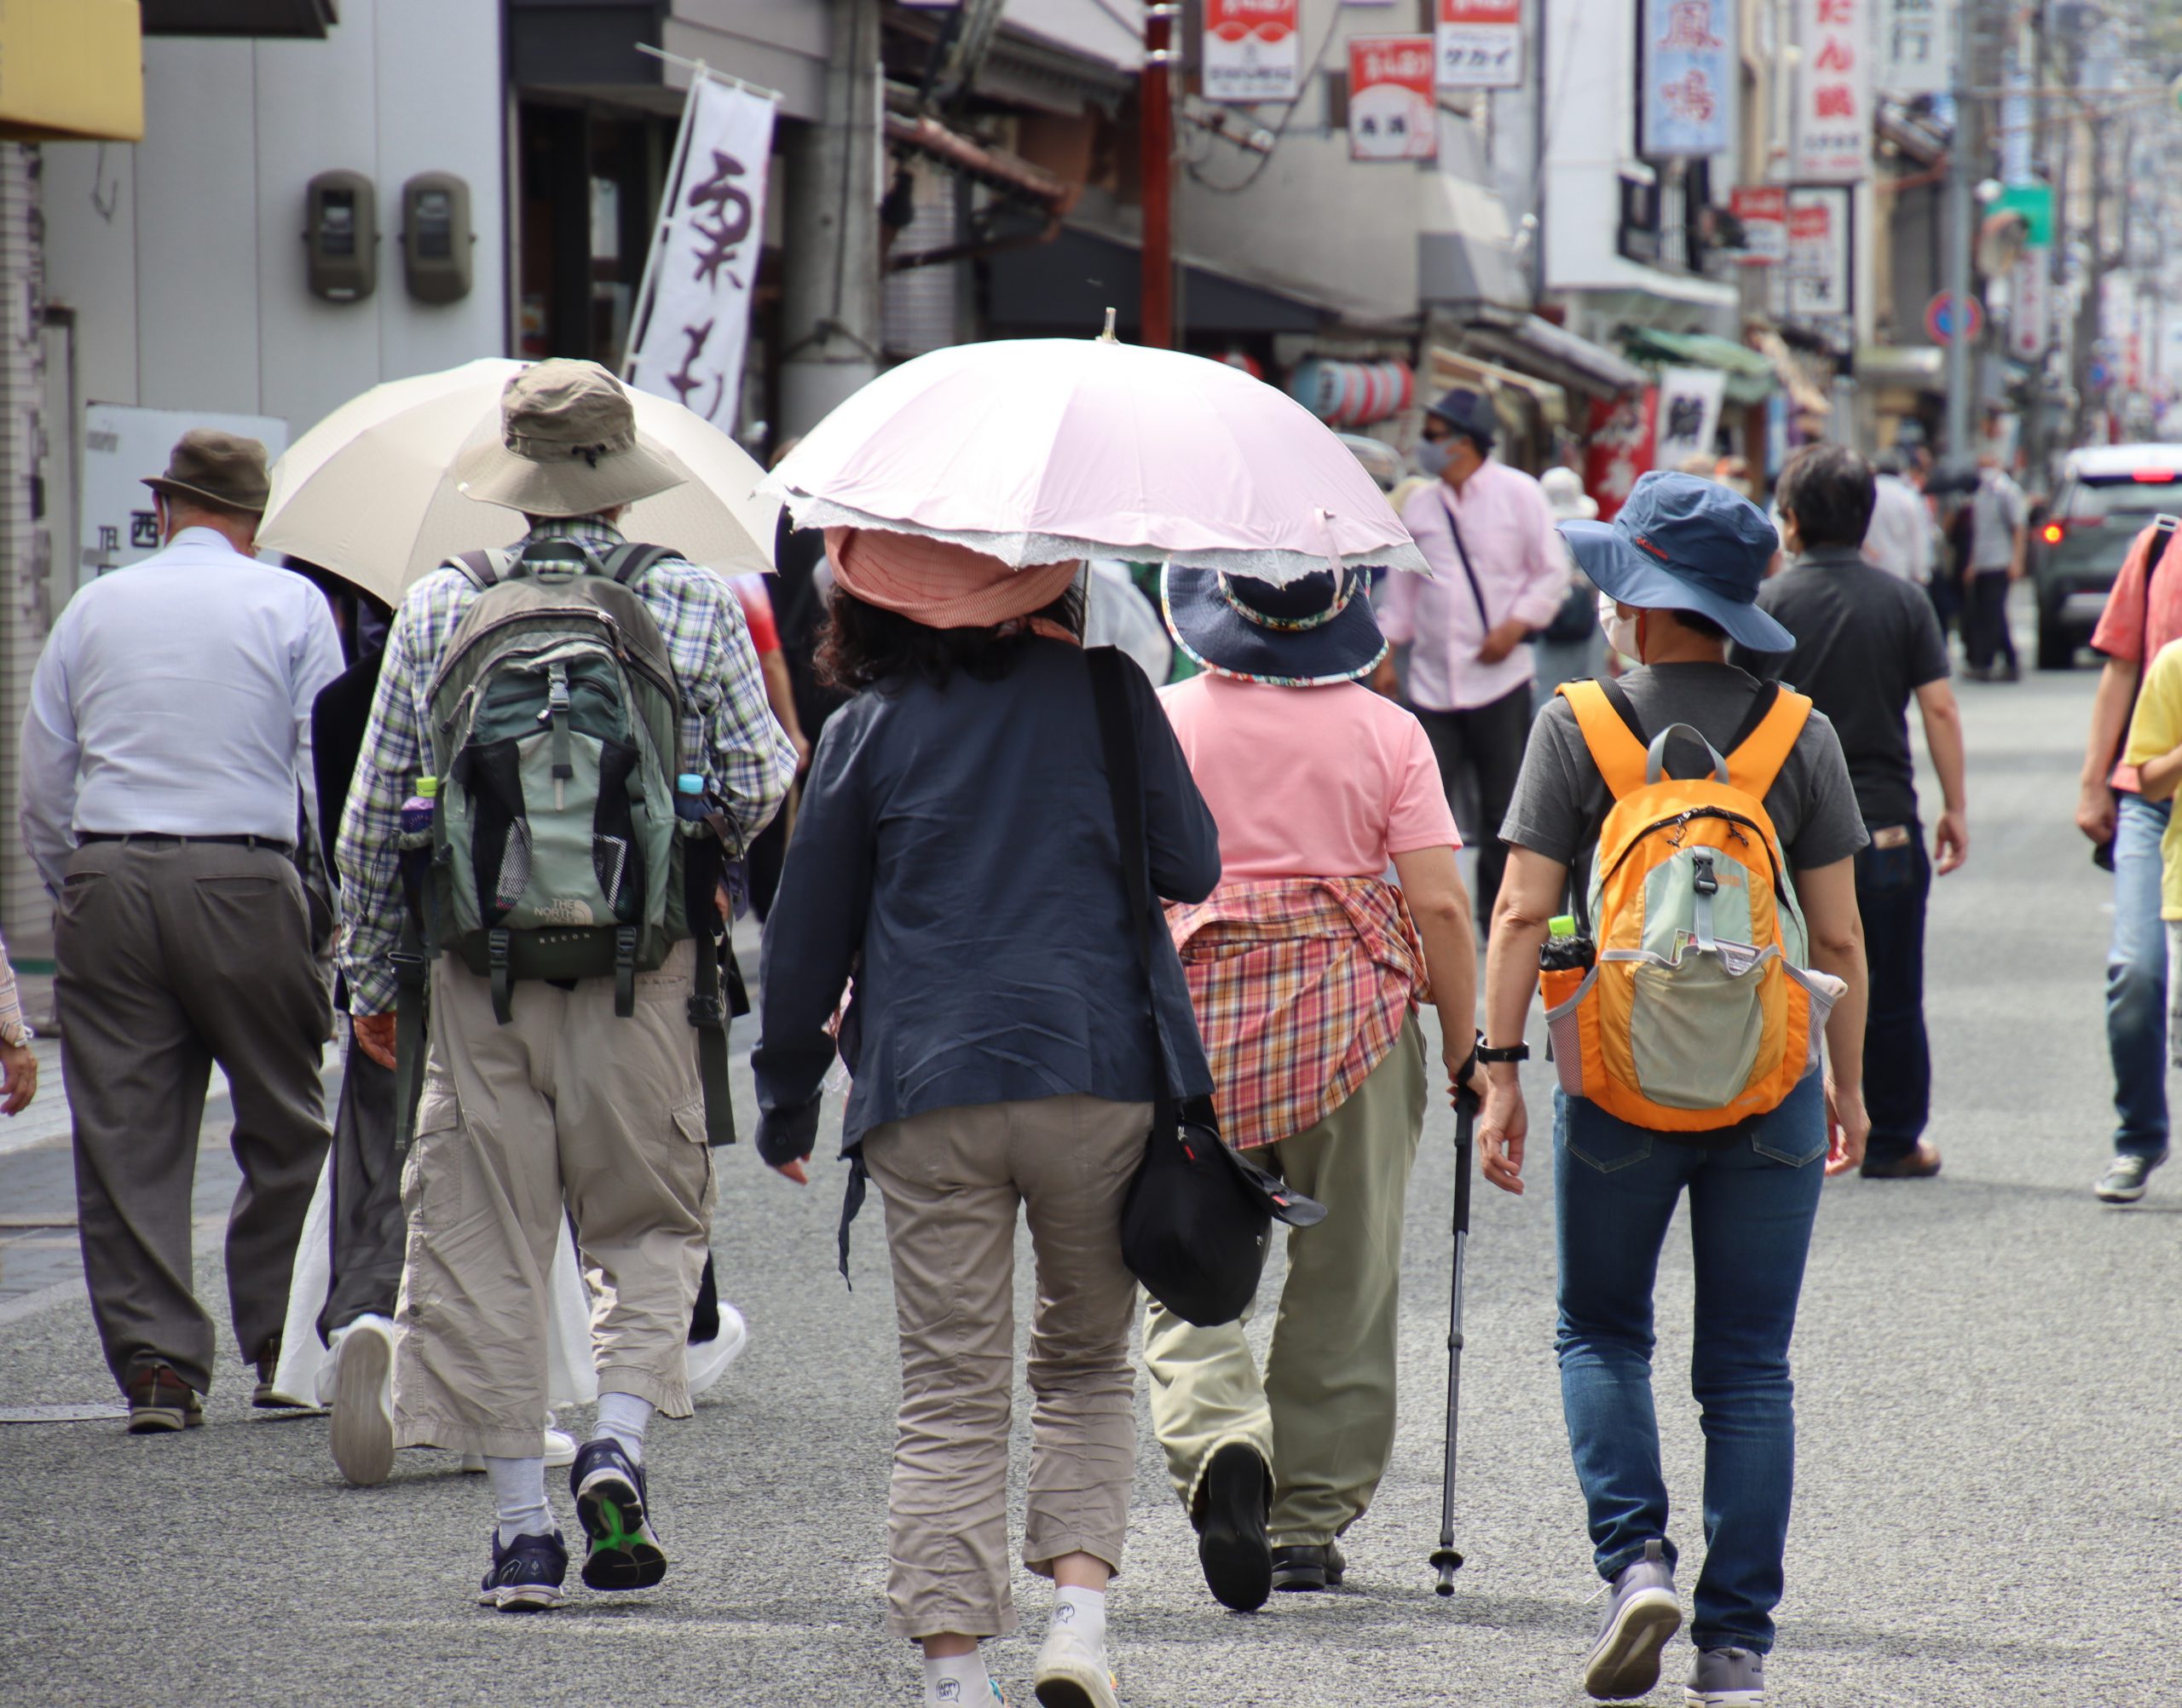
(1253, 50)
(692, 318)
(2030, 304)
(1916, 46)
(1834, 90)
(1819, 260)
(1688, 419)
(1479, 43)
(123, 444)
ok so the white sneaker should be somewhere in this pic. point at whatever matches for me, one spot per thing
(560, 1452)
(362, 1363)
(1073, 1673)
(708, 1359)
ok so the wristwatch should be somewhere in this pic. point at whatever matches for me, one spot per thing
(17, 1033)
(1513, 1052)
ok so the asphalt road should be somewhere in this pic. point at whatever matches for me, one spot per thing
(1989, 1368)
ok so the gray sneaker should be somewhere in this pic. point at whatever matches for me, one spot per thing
(1640, 1615)
(1726, 1678)
(2125, 1179)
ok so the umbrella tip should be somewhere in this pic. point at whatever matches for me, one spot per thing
(1107, 336)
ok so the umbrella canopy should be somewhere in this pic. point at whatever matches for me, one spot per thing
(370, 493)
(1039, 450)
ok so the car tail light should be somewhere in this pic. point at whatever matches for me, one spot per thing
(2153, 477)
(2051, 533)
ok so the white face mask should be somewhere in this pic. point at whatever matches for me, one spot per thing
(1620, 631)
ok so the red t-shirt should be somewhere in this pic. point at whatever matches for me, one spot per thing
(2120, 632)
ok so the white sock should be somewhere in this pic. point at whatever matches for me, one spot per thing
(958, 1681)
(519, 1492)
(623, 1416)
(1082, 1612)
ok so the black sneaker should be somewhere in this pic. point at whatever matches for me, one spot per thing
(622, 1551)
(527, 1574)
(1231, 1543)
(2125, 1179)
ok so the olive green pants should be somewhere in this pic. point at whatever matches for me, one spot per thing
(1323, 1413)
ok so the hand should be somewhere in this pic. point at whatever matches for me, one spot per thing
(1847, 1127)
(1504, 639)
(1478, 1085)
(795, 740)
(374, 1035)
(785, 1138)
(1385, 678)
(1951, 841)
(792, 1171)
(18, 1078)
(1501, 1130)
(2095, 812)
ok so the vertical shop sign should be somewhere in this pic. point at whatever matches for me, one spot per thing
(1834, 93)
(1480, 43)
(1916, 46)
(1764, 211)
(1392, 114)
(1818, 254)
(1617, 448)
(2030, 304)
(1687, 420)
(1689, 60)
(1252, 51)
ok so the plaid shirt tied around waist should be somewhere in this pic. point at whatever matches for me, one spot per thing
(1300, 987)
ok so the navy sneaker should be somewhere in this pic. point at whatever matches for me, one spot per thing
(622, 1551)
(527, 1574)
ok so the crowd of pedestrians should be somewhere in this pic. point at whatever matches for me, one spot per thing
(1686, 773)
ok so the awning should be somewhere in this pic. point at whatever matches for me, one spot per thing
(1450, 368)
(1064, 287)
(1558, 354)
(1751, 378)
(71, 72)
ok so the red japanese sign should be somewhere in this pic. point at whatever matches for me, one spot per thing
(1251, 50)
(1479, 44)
(1618, 448)
(1392, 115)
(1833, 95)
(1764, 211)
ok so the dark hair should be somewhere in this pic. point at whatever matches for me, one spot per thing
(865, 645)
(181, 505)
(1699, 624)
(1828, 489)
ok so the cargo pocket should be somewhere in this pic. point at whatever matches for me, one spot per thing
(1695, 1031)
(431, 1179)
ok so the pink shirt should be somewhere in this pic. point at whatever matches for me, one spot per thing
(1309, 782)
(1521, 569)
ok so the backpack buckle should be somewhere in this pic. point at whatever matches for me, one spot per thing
(1708, 882)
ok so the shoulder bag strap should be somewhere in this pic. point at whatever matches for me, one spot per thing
(1476, 593)
(1125, 785)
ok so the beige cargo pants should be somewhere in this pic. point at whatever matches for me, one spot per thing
(568, 1109)
(1323, 1414)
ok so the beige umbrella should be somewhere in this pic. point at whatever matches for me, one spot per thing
(370, 491)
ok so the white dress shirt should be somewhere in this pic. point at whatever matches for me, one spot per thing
(1899, 537)
(174, 698)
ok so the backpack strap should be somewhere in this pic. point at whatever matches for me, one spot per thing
(628, 563)
(1756, 761)
(1616, 749)
(479, 567)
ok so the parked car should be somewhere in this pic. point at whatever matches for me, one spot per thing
(2108, 495)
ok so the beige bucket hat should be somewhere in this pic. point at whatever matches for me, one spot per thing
(568, 447)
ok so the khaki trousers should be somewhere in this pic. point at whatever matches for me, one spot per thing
(953, 1179)
(171, 956)
(1323, 1414)
(566, 1109)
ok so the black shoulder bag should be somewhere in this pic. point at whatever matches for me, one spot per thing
(1197, 1221)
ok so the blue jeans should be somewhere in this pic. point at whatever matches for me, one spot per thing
(2136, 981)
(1893, 886)
(1752, 1205)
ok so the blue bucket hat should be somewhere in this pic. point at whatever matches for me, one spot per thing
(1309, 633)
(1682, 543)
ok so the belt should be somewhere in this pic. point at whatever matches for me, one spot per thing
(159, 839)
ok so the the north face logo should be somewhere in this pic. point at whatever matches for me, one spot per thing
(566, 910)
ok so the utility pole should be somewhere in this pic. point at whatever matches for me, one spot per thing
(1961, 356)
(1155, 144)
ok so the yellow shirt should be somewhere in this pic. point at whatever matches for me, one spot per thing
(2156, 730)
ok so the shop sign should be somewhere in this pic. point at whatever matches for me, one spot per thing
(122, 444)
(1818, 254)
(1762, 209)
(1480, 43)
(1618, 447)
(1690, 67)
(1252, 50)
(1392, 113)
(1834, 94)
(2030, 304)
(1916, 46)
(1686, 421)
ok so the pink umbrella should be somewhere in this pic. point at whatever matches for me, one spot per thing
(1039, 450)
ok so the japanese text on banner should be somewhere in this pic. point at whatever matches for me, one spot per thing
(1833, 95)
(1480, 43)
(1252, 51)
(1690, 64)
(1392, 115)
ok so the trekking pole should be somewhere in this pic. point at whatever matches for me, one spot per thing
(1446, 1559)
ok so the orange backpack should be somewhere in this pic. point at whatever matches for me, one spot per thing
(1700, 1010)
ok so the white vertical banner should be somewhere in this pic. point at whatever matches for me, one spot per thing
(1819, 270)
(2030, 304)
(692, 319)
(1833, 91)
(1688, 419)
(1916, 46)
(1688, 68)
(1253, 50)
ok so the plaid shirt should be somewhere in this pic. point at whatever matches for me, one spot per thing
(1300, 987)
(728, 733)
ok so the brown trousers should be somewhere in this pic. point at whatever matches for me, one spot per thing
(171, 956)
(953, 1179)
(567, 1110)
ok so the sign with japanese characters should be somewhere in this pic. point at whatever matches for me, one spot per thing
(693, 321)
(1916, 46)
(1392, 113)
(1764, 211)
(1688, 420)
(2030, 304)
(1818, 254)
(122, 444)
(1690, 67)
(1618, 448)
(1252, 50)
(1833, 91)
(1479, 44)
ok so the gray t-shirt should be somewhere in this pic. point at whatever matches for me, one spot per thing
(1560, 801)
(1997, 510)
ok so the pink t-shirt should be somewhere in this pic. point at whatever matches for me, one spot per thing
(1309, 782)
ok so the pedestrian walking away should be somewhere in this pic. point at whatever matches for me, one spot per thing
(562, 1076)
(1498, 576)
(1307, 969)
(957, 851)
(165, 757)
(1866, 643)
(1899, 538)
(1998, 535)
(1686, 1006)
